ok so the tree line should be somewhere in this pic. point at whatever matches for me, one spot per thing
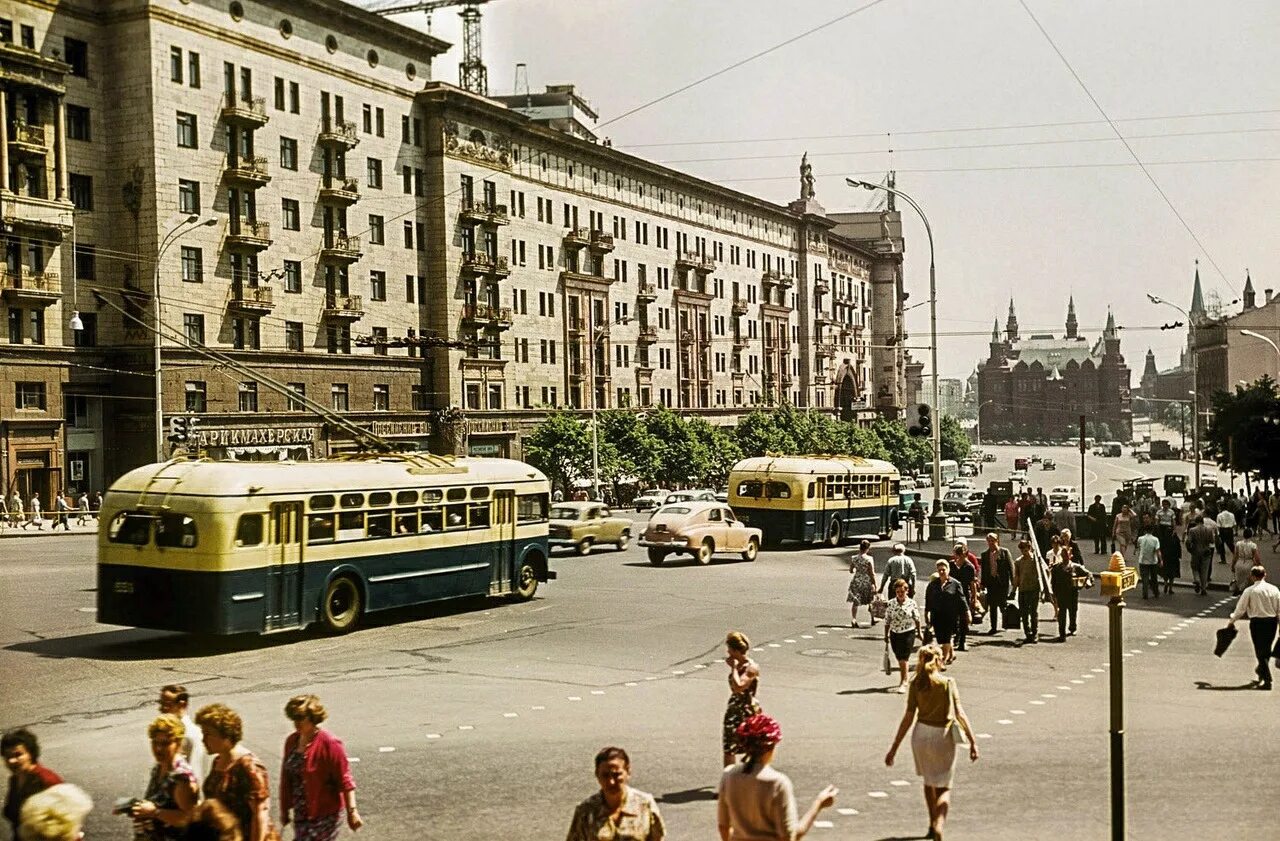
(660, 448)
(1244, 430)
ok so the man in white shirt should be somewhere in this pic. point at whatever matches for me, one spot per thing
(899, 566)
(1260, 601)
(1226, 534)
(174, 700)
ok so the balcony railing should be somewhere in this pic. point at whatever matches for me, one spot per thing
(686, 337)
(739, 306)
(252, 298)
(250, 111)
(249, 233)
(824, 349)
(481, 262)
(487, 314)
(38, 287)
(821, 285)
(577, 237)
(484, 212)
(739, 342)
(339, 133)
(341, 248)
(600, 241)
(693, 260)
(343, 306)
(647, 292)
(30, 137)
(648, 335)
(343, 191)
(250, 170)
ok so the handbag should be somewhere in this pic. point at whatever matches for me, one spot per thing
(954, 730)
(879, 606)
(888, 662)
(1011, 617)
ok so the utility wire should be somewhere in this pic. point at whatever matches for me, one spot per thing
(739, 63)
(1122, 139)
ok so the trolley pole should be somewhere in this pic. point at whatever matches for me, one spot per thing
(1083, 495)
(1115, 581)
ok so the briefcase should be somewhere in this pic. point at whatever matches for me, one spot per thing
(1012, 617)
(1225, 636)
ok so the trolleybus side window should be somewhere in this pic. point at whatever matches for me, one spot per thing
(480, 492)
(456, 516)
(351, 524)
(320, 528)
(751, 488)
(379, 522)
(778, 490)
(321, 503)
(457, 494)
(407, 521)
(352, 501)
(407, 498)
(531, 508)
(130, 527)
(249, 530)
(478, 514)
(176, 531)
(380, 498)
(813, 487)
(432, 512)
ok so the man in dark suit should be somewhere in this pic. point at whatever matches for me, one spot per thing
(997, 578)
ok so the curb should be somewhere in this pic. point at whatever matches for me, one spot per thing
(17, 533)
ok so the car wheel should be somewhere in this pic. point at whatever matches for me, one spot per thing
(704, 552)
(835, 534)
(342, 605)
(583, 546)
(624, 541)
(657, 556)
(752, 550)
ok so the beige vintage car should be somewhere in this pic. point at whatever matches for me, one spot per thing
(586, 524)
(701, 529)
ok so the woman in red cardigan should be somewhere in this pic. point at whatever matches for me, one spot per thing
(315, 778)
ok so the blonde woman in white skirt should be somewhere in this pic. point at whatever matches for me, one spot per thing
(933, 704)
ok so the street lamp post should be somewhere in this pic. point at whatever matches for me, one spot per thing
(1256, 335)
(978, 431)
(173, 235)
(1195, 383)
(937, 525)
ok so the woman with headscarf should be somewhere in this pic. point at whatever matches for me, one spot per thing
(933, 703)
(757, 800)
(617, 811)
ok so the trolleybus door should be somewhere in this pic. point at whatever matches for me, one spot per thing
(284, 567)
(502, 554)
(886, 524)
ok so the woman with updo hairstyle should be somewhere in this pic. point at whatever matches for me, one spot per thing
(237, 779)
(617, 811)
(315, 775)
(54, 814)
(212, 822)
(755, 799)
(172, 791)
(744, 680)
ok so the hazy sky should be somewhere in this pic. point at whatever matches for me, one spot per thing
(1035, 220)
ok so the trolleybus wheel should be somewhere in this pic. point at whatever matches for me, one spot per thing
(342, 605)
(526, 582)
(835, 534)
(752, 550)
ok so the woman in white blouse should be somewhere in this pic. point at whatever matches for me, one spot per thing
(902, 629)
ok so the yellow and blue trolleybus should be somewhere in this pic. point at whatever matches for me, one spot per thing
(229, 547)
(815, 498)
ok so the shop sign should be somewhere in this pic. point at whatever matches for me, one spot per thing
(385, 428)
(483, 449)
(203, 437)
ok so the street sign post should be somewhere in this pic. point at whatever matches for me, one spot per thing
(1115, 581)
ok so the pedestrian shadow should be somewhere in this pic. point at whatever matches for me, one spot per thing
(1206, 685)
(689, 795)
(870, 690)
(995, 643)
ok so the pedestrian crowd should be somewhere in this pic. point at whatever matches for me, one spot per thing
(205, 783)
(18, 512)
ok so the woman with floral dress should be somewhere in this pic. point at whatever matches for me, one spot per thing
(862, 581)
(902, 626)
(237, 779)
(744, 680)
(315, 777)
(172, 791)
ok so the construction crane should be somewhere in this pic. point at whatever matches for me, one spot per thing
(472, 75)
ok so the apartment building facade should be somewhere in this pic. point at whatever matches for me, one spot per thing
(308, 204)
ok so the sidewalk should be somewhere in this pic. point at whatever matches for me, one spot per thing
(90, 527)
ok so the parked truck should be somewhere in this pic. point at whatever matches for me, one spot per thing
(1161, 450)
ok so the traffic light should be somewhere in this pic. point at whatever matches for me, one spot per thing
(921, 425)
(181, 427)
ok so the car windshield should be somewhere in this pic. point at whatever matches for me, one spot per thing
(564, 512)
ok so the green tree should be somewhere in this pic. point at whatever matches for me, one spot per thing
(861, 441)
(1244, 433)
(682, 457)
(760, 433)
(633, 451)
(560, 447)
(905, 452)
(721, 448)
(954, 441)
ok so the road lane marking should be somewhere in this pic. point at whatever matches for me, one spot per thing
(1005, 721)
(466, 727)
(597, 691)
(1038, 703)
(788, 640)
(1096, 670)
(677, 671)
(631, 683)
(1018, 712)
(983, 735)
(511, 715)
(1077, 681)
(774, 645)
(538, 707)
(846, 811)
(806, 636)
(575, 698)
(386, 749)
(824, 824)
(1064, 688)
(877, 794)
(1048, 695)
(899, 783)
(433, 735)
(1152, 642)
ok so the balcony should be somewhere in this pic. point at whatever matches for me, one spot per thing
(339, 133)
(483, 213)
(342, 307)
(245, 111)
(739, 342)
(773, 278)
(580, 278)
(686, 337)
(27, 140)
(343, 192)
(49, 218)
(249, 234)
(821, 285)
(646, 293)
(26, 286)
(486, 316)
(576, 325)
(577, 238)
(600, 241)
(824, 350)
(739, 306)
(701, 263)
(482, 263)
(647, 335)
(248, 171)
(254, 299)
(823, 319)
(340, 248)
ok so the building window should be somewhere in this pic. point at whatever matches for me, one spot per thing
(380, 122)
(86, 257)
(188, 135)
(15, 326)
(381, 397)
(378, 286)
(193, 69)
(338, 397)
(176, 65)
(377, 230)
(473, 396)
(193, 327)
(300, 389)
(246, 334)
(31, 396)
(289, 153)
(81, 191)
(291, 217)
(279, 93)
(293, 335)
(495, 396)
(406, 179)
(418, 397)
(78, 127)
(37, 326)
(247, 397)
(188, 196)
(192, 264)
(367, 113)
(292, 276)
(76, 53)
(408, 289)
(196, 398)
(87, 335)
(295, 98)
(379, 341)
(408, 238)
(374, 179)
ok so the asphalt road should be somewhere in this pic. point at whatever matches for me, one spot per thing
(479, 720)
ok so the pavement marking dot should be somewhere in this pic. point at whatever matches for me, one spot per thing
(1134, 650)
(1038, 703)
(846, 811)
(1162, 636)
(631, 683)
(1127, 654)
(1096, 670)
(1048, 695)
(597, 691)
(1005, 721)
(775, 645)
(1152, 642)
(1018, 712)
(353, 759)
(652, 677)
(877, 794)
(823, 824)
(806, 636)
(1077, 681)
(983, 735)
(824, 633)
(433, 735)
(386, 749)
(677, 671)
(758, 648)
(899, 783)
(1065, 688)
(700, 666)
(788, 640)
(575, 698)
(511, 715)
(1087, 677)
(538, 707)
(466, 727)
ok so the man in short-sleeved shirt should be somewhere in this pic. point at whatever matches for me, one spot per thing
(1149, 560)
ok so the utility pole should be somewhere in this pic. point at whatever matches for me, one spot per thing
(1115, 581)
